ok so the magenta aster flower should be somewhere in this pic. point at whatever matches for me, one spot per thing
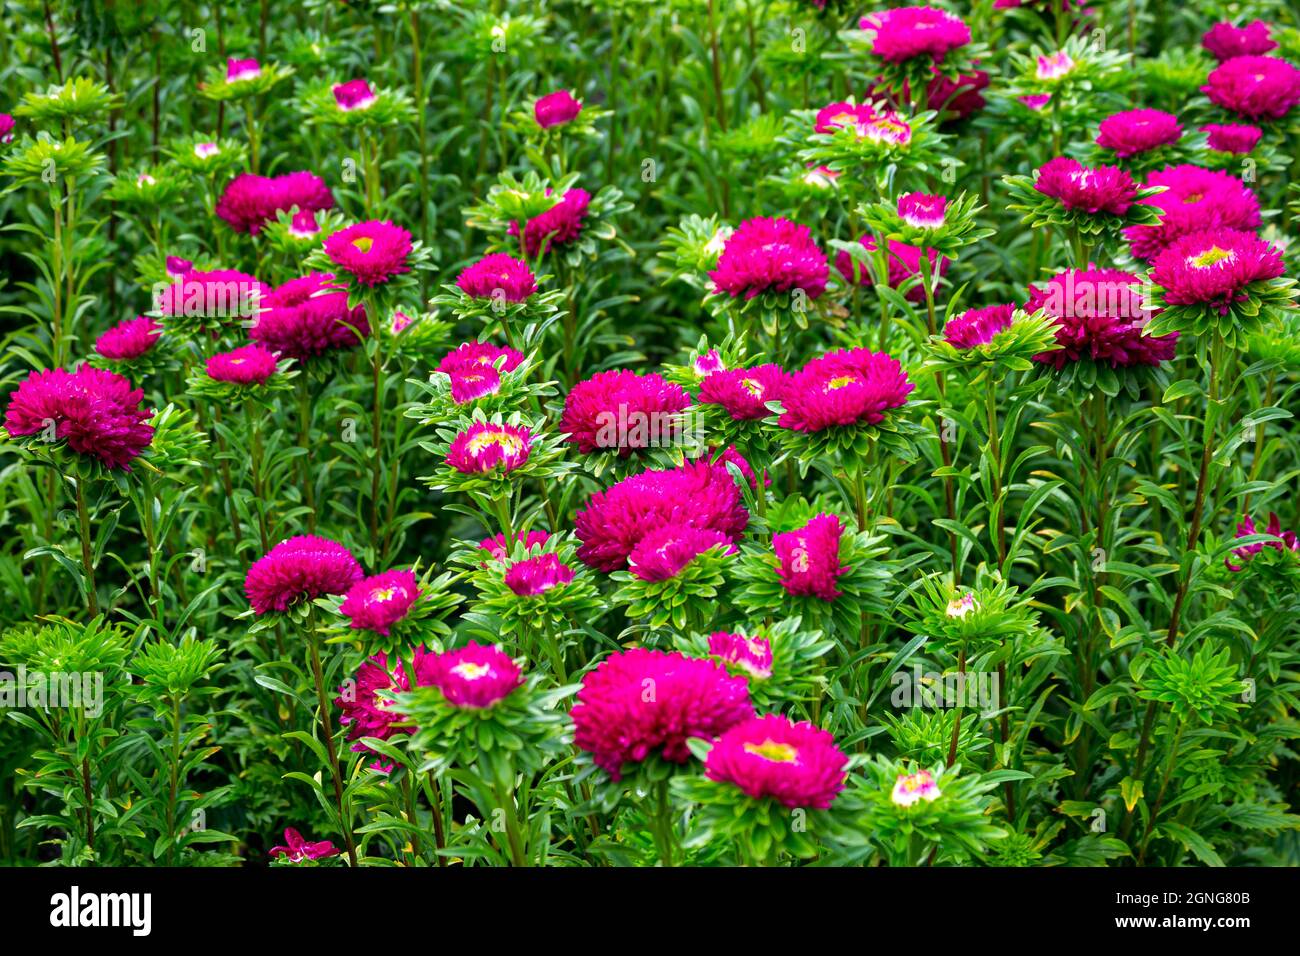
(308, 317)
(904, 264)
(1238, 138)
(623, 410)
(842, 115)
(809, 558)
(960, 97)
(639, 702)
(178, 268)
(249, 202)
(247, 365)
(1225, 41)
(378, 602)
(701, 494)
(1054, 66)
(849, 387)
(219, 294)
(1138, 131)
(912, 788)
(300, 567)
(299, 849)
(1036, 101)
(1099, 315)
(303, 225)
(558, 226)
(95, 411)
(6, 128)
(743, 392)
(479, 355)
(363, 712)
(1286, 540)
(485, 447)
(889, 127)
(752, 655)
(533, 576)
(770, 255)
(708, 363)
(353, 95)
(922, 210)
(1215, 267)
(471, 384)
(496, 546)
(1257, 87)
(556, 109)
(372, 252)
(476, 676)
(977, 326)
(904, 33)
(665, 551)
(1194, 199)
(1103, 189)
(796, 764)
(129, 339)
(237, 70)
(498, 275)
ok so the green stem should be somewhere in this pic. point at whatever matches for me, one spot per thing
(327, 731)
(87, 556)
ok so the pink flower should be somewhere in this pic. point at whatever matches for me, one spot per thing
(206, 150)
(308, 317)
(1215, 267)
(556, 109)
(6, 128)
(809, 558)
(237, 70)
(498, 275)
(477, 356)
(744, 392)
(665, 551)
(770, 255)
(372, 252)
(1099, 316)
(1036, 101)
(219, 294)
(496, 546)
(1138, 131)
(129, 339)
(976, 327)
(485, 447)
(907, 32)
(1194, 199)
(1054, 66)
(96, 412)
(752, 655)
(639, 702)
(248, 365)
(914, 787)
(623, 410)
(1104, 189)
(353, 95)
(364, 713)
(1286, 540)
(302, 567)
(1238, 138)
(1258, 87)
(904, 264)
(708, 363)
(889, 127)
(178, 268)
(249, 202)
(1224, 41)
(475, 676)
(536, 575)
(843, 116)
(921, 210)
(796, 764)
(299, 849)
(961, 97)
(378, 602)
(849, 387)
(558, 226)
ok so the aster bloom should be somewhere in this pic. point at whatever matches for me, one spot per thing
(1138, 131)
(1225, 41)
(536, 575)
(475, 676)
(1258, 87)
(308, 317)
(640, 702)
(843, 115)
(6, 128)
(905, 33)
(220, 293)
(298, 849)
(1103, 189)
(1194, 199)
(178, 268)
(558, 226)
(486, 447)
(372, 252)
(888, 128)
(1238, 138)
(378, 602)
(129, 339)
(809, 558)
(664, 552)
(904, 263)
(1036, 101)
(248, 365)
(701, 493)
(959, 607)
(206, 150)
(1286, 540)
(796, 764)
(850, 387)
(708, 363)
(1099, 315)
(470, 384)
(479, 355)
(623, 410)
(556, 109)
(1054, 66)
(770, 255)
(95, 411)
(922, 210)
(496, 546)
(498, 276)
(353, 95)
(363, 713)
(249, 202)
(976, 327)
(960, 97)
(744, 392)
(303, 225)
(237, 70)
(914, 787)
(1215, 267)
(753, 655)
(302, 567)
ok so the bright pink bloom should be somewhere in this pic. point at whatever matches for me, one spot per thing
(364, 713)
(752, 655)
(496, 546)
(708, 363)
(353, 95)
(249, 202)
(533, 576)
(476, 355)
(1036, 101)
(810, 558)
(911, 788)
(843, 116)
(1099, 315)
(378, 602)
(299, 849)
(1225, 41)
(796, 764)
(558, 226)
(907, 32)
(6, 128)
(178, 268)
(770, 255)
(237, 70)
(638, 702)
(129, 339)
(664, 552)
(96, 412)
(1194, 199)
(556, 109)
(977, 326)
(475, 676)
(961, 98)
(308, 317)
(247, 365)
(904, 264)
(1103, 189)
(498, 275)
(1239, 138)
(743, 392)
(1138, 131)
(485, 447)
(1286, 540)
(1258, 87)
(623, 410)
(921, 210)
(372, 252)
(219, 294)
(848, 387)
(302, 567)
(1215, 267)
(1054, 66)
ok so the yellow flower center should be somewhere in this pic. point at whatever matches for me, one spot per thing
(471, 671)
(771, 750)
(1209, 257)
(753, 387)
(363, 244)
(484, 440)
(382, 594)
(841, 382)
